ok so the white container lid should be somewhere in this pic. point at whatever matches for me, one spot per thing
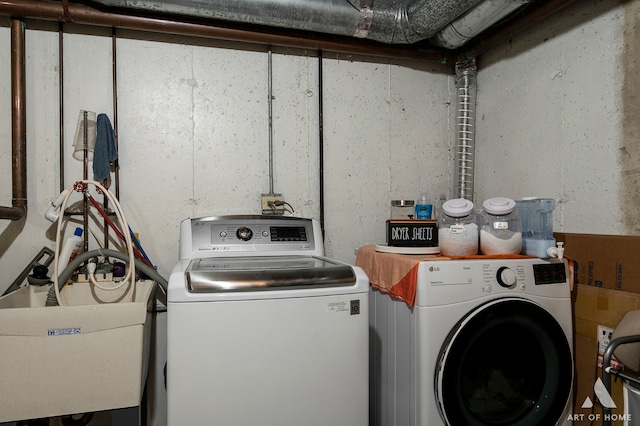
(457, 207)
(499, 205)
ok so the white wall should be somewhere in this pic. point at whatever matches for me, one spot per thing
(555, 106)
(193, 134)
(556, 118)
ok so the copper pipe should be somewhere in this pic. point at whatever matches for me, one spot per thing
(83, 14)
(85, 176)
(18, 125)
(61, 101)
(114, 71)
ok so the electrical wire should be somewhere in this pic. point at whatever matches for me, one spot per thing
(280, 203)
(81, 186)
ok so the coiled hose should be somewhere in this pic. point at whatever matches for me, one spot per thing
(78, 260)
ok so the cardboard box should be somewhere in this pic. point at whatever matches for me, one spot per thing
(608, 261)
(595, 306)
(89, 355)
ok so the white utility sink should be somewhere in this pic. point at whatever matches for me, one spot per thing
(89, 355)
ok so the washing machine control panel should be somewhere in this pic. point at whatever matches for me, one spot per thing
(226, 235)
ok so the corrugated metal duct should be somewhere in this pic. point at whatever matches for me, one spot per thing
(386, 21)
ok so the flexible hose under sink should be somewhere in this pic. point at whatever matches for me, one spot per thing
(78, 260)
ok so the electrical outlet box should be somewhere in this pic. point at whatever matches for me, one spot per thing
(268, 204)
(604, 338)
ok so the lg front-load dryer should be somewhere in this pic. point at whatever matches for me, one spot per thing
(488, 342)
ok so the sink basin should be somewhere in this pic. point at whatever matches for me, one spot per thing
(89, 355)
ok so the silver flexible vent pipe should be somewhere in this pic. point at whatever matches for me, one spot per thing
(474, 21)
(464, 150)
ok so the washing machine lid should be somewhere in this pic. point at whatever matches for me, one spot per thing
(238, 274)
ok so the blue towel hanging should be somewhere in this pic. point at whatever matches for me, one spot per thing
(104, 152)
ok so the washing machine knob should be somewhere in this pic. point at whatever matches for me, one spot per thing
(506, 277)
(243, 233)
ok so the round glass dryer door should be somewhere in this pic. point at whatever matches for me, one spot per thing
(508, 362)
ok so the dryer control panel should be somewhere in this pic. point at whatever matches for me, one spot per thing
(443, 282)
(549, 273)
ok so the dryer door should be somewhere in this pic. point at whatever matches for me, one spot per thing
(508, 362)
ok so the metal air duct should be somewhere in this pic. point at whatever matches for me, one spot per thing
(474, 21)
(386, 21)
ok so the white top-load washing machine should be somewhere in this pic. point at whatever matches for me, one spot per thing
(488, 342)
(264, 330)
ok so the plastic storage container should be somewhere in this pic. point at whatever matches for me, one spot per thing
(536, 217)
(402, 209)
(457, 228)
(500, 229)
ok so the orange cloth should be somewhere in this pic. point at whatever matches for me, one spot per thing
(394, 274)
(397, 274)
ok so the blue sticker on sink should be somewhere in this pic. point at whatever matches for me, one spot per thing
(63, 331)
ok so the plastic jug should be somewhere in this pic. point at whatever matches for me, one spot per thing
(536, 218)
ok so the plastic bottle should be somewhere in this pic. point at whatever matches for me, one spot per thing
(423, 207)
(70, 249)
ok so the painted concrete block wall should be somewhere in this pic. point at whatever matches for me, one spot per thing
(372, 161)
(553, 108)
(193, 134)
(555, 118)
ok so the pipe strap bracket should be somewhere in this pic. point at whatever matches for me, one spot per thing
(365, 18)
(67, 14)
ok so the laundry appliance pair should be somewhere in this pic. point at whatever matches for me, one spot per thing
(487, 342)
